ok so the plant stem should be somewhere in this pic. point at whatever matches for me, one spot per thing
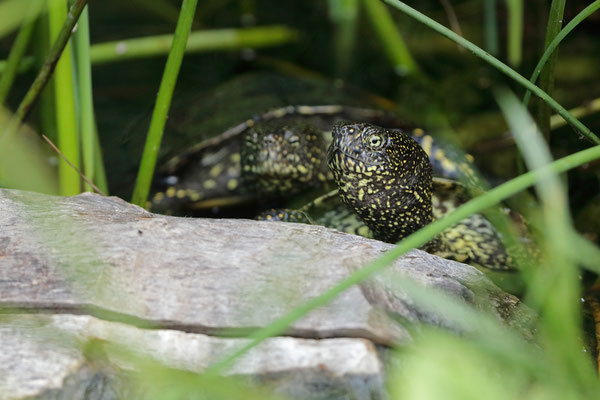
(84, 74)
(43, 76)
(100, 177)
(68, 140)
(515, 31)
(394, 45)
(546, 83)
(18, 49)
(26, 64)
(496, 64)
(163, 102)
(12, 15)
(199, 41)
(586, 12)
(414, 240)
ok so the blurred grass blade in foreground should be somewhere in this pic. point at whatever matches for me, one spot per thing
(554, 288)
(18, 49)
(23, 160)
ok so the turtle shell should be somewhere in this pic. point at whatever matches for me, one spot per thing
(266, 157)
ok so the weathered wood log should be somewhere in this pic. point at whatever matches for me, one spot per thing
(194, 279)
(40, 353)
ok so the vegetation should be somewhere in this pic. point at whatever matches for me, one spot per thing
(406, 54)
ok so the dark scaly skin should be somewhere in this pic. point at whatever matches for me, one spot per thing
(327, 210)
(385, 177)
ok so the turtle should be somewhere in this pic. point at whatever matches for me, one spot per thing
(385, 177)
(386, 191)
(272, 156)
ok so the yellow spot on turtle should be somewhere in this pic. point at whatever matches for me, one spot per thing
(361, 194)
(171, 191)
(193, 195)
(363, 230)
(418, 132)
(180, 194)
(232, 184)
(302, 169)
(158, 196)
(216, 171)
(235, 157)
(209, 184)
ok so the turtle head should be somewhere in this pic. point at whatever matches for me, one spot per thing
(384, 176)
(283, 156)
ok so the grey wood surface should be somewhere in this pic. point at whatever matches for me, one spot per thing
(177, 281)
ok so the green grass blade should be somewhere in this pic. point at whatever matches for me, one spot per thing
(12, 14)
(163, 103)
(41, 49)
(586, 12)
(415, 240)
(68, 140)
(23, 163)
(546, 83)
(84, 74)
(496, 64)
(583, 252)
(199, 41)
(393, 44)
(100, 173)
(515, 31)
(63, 35)
(26, 64)
(555, 287)
(479, 326)
(18, 49)
(490, 26)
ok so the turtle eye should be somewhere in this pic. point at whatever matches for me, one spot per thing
(375, 141)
